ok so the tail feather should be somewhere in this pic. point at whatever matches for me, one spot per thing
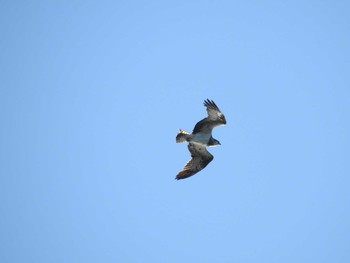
(182, 136)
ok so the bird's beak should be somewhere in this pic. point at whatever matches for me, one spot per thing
(219, 143)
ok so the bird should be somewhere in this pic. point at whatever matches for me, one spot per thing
(201, 138)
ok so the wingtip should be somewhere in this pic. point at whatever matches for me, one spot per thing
(211, 104)
(180, 176)
(177, 178)
(207, 102)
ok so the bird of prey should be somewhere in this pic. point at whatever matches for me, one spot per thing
(199, 139)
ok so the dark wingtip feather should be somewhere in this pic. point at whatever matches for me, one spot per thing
(211, 104)
(183, 174)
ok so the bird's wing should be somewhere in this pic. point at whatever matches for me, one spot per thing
(212, 110)
(200, 159)
(215, 118)
(205, 126)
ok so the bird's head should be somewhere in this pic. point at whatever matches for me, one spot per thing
(214, 142)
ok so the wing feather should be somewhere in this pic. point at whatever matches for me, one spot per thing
(215, 118)
(200, 159)
(212, 109)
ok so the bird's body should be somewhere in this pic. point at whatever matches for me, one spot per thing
(199, 139)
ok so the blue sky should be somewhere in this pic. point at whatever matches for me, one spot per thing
(92, 96)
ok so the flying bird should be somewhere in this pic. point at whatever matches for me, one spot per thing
(199, 139)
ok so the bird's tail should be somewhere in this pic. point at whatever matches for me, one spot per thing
(182, 136)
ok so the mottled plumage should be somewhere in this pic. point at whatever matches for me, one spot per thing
(200, 158)
(199, 139)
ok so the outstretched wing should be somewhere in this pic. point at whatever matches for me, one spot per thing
(215, 118)
(200, 159)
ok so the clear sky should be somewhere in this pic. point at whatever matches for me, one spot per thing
(93, 93)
